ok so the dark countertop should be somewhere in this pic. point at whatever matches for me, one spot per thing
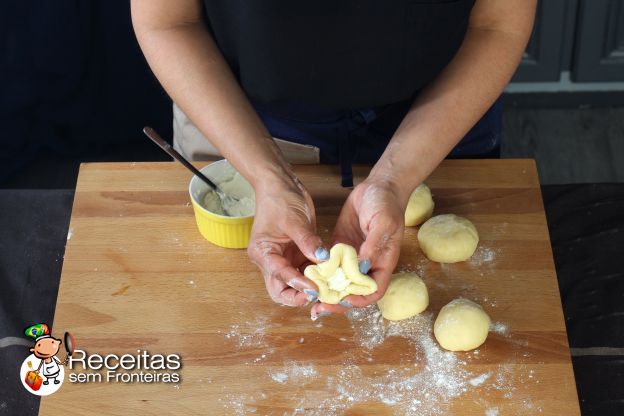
(33, 233)
(586, 224)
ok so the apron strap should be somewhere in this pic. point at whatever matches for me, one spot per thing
(345, 158)
(346, 152)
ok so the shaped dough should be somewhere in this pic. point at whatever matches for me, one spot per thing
(448, 238)
(419, 207)
(340, 275)
(405, 297)
(461, 325)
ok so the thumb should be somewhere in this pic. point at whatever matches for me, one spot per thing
(380, 241)
(379, 255)
(309, 242)
(371, 249)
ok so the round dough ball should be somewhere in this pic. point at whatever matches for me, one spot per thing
(419, 207)
(461, 325)
(405, 297)
(448, 238)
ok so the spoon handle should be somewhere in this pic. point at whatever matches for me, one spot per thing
(155, 137)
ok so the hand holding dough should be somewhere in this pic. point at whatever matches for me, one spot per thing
(419, 207)
(461, 325)
(340, 276)
(405, 297)
(448, 238)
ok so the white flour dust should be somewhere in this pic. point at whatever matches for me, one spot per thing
(279, 377)
(250, 334)
(425, 383)
(423, 386)
(368, 326)
(294, 371)
(482, 256)
(499, 328)
(477, 381)
(419, 268)
(237, 403)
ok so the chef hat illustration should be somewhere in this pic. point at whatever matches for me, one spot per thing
(37, 332)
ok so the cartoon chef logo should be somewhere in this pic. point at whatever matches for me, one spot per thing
(42, 373)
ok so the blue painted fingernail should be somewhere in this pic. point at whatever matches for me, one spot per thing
(322, 254)
(312, 299)
(311, 293)
(365, 266)
(324, 313)
(345, 304)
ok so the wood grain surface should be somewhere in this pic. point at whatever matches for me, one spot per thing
(137, 275)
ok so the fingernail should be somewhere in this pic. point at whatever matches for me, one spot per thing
(365, 266)
(322, 254)
(345, 304)
(311, 293)
(312, 299)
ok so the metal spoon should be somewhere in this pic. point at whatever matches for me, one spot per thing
(223, 197)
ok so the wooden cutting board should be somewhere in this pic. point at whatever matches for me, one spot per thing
(137, 275)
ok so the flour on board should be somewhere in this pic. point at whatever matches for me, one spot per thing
(425, 384)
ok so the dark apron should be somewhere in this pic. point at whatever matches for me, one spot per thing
(361, 136)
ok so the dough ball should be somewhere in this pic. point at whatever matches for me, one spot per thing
(419, 207)
(448, 238)
(461, 325)
(405, 297)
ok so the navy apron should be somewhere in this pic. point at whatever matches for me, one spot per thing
(361, 136)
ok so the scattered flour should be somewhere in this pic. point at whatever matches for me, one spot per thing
(423, 388)
(499, 328)
(482, 256)
(263, 356)
(368, 326)
(279, 377)
(477, 381)
(237, 405)
(299, 371)
(424, 384)
(492, 411)
(251, 334)
(295, 371)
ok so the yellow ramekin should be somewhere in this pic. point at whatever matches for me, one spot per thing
(228, 232)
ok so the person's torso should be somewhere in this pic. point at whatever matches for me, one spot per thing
(337, 54)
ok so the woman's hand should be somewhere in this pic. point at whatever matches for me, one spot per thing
(372, 220)
(283, 241)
